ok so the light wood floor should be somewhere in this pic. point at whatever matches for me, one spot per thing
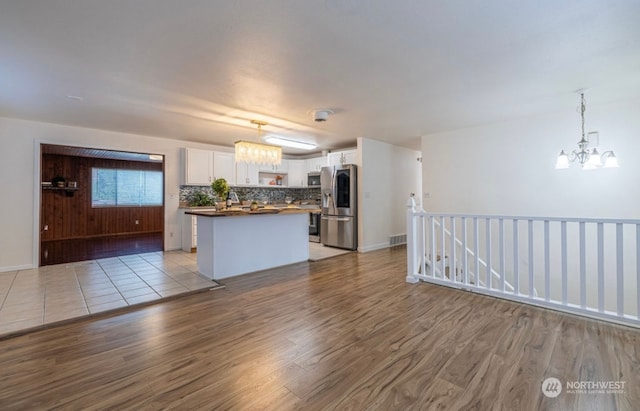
(346, 333)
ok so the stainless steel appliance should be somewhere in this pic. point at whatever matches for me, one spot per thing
(313, 179)
(339, 224)
(314, 227)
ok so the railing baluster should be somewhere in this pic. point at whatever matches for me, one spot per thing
(620, 268)
(583, 266)
(487, 229)
(423, 246)
(476, 251)
(452, 260)
(412, 246)
(638, 271)
(443, 251)
(433, 246)
(600, 267)
(563, 251)
(501, 249)
(530, 227)
(547, 263)
(516, 258)
(465, 262)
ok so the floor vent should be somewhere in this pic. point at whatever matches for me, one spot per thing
(397, 239)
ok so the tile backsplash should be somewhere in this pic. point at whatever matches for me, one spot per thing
(275, 195)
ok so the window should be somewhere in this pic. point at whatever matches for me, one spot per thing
(128, 188)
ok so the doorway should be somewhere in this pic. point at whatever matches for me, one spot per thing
(98, 203)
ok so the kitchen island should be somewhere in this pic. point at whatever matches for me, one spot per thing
(231, 243)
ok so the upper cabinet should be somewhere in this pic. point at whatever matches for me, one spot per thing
(203, 166)
(315, 164)
(283, 167)
(297, 173)
(247, 174)
(198, 167)
(338, 158)
(224, 166)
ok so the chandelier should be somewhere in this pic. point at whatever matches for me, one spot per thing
(588, 159)
(258, 153)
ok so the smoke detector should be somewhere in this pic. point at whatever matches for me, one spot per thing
(321, 114)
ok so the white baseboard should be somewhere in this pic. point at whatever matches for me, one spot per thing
(374, 247)
(16, 268)
(173, 249)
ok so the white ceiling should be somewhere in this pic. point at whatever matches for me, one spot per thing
(199, 70)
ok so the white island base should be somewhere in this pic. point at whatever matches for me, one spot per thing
(234, 245)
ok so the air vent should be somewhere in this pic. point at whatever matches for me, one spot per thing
(397, 239)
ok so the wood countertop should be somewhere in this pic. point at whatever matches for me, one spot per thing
(242, 213)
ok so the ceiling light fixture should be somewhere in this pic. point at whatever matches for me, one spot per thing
(321, 114)
(258, 153)
(588, 159)
(289, 143)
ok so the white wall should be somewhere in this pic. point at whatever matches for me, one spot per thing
(509, 168)
(387, 175)
(19, 164)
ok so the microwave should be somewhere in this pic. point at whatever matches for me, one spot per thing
(313, 179)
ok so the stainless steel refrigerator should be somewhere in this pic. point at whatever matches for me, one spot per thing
(339, 223)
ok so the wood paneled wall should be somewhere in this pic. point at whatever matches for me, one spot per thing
(70, 215)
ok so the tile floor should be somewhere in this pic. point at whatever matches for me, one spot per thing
(318, 252)
(29, 298)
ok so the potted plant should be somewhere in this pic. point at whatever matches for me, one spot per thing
(200, 199)
(221, 188)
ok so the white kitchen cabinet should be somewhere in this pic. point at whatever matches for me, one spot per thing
(338, 158)
(297, 175)
(315, 164)
(283, 167)
(224, 166)
(198, 167)
(247, 174)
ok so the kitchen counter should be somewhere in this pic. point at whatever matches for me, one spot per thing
(307, 207)
(250, 240)
(247, 212)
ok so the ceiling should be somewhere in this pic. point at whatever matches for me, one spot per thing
(200, 70)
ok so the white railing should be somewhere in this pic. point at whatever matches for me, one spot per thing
(584, 266)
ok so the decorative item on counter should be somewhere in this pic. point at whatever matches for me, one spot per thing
(232, 197)
(221, 188)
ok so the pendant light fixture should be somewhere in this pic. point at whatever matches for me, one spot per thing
(588, 159)
(257, 152)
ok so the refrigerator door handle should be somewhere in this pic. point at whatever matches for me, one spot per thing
(335, 190)
(324, 217)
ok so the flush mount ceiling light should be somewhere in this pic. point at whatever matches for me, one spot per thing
(258, 153)
(588, 159)
(289, 143)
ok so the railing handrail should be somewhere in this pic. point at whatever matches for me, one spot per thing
(530, 218)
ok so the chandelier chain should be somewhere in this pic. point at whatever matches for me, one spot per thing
(582, 110)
